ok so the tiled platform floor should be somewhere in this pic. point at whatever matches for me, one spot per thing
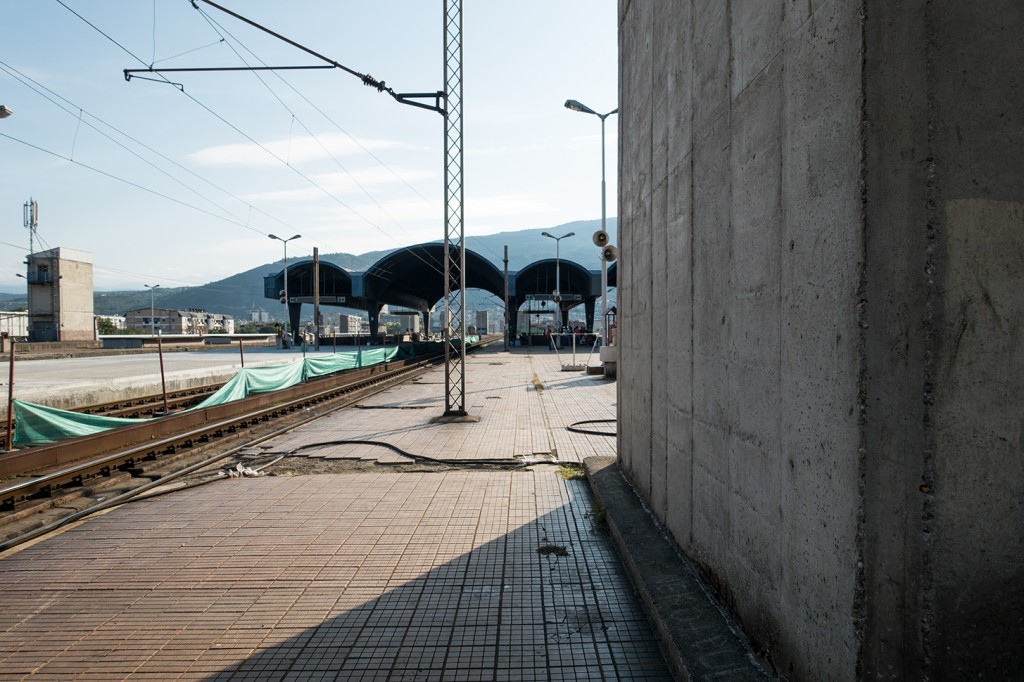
(524, 402)
(454, 575)
(415, 576)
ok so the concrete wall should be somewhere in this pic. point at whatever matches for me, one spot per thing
(76, 300)
(826, 196)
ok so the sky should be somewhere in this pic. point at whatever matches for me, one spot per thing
(180, 185)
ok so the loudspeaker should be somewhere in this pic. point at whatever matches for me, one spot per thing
(610, 253)
(600, 238)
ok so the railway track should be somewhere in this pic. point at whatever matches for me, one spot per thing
(151, 405)
(144, 407)
(49, 486)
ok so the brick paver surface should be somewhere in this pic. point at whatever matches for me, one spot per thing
(524, 401)
(457, 575)
(452, 575)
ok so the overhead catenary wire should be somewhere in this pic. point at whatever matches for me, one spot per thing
(209, 110)
(368, 80)
(126, 181)
(222, 31)
(52, 96)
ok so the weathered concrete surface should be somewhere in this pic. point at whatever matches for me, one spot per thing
(698, 637)
(822, 206)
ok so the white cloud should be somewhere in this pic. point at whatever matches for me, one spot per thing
(296, 150)
(342, 183)
(503, 206)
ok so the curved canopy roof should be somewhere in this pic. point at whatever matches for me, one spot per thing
(412, 277)
(334, 282)
(539, 278)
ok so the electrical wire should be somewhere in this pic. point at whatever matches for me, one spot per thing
(123, 180)
(222, 31)
(189, 95)
(503, 463)
(39, 89)
(574, 427)
(366, 79)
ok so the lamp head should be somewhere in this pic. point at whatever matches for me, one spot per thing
(274, 236)
(5, 111)
(571, 234)
(575, 105)
(545, 234)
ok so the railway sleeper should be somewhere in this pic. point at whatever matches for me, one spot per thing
(31, 512)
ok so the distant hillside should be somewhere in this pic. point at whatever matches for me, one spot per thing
(13, 301)
(239, 294)
(527, 246)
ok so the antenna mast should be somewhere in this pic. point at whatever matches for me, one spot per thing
(31, 215)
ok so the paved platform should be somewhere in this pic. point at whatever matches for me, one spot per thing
(524, 402)
(470, 574)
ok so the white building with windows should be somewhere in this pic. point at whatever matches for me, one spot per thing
(165, 321)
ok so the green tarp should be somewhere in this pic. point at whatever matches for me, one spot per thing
(41, 425)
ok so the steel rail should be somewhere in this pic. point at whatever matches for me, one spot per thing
(123, 447)
(149, 403)
(127, 496)
(144, 404)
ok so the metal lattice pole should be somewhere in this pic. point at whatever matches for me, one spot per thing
(454, 254)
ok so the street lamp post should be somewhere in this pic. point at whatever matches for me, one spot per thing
(557, 293)
(287, 332)
(152, 296)
(574, 105)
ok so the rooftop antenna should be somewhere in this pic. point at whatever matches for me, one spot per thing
(31, 213)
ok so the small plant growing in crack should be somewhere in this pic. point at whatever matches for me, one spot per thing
(572, 472)
(598, 518)
(556, 550)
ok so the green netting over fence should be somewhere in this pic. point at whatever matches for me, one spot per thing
(41, 425)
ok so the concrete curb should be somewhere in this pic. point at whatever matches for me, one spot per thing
(697, 636)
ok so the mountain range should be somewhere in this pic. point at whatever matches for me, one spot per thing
(242, 293)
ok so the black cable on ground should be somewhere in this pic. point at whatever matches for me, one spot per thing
(590, 432)
(468, 463)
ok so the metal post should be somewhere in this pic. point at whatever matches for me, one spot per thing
(152, 315)
(507, 332)
(163, 377)
(10, 401)
(604, 291)
(604, 263)
(287, 301)
(574, 105)
(454, 251)
(558, 274)
(316, 298)
(241, 352)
